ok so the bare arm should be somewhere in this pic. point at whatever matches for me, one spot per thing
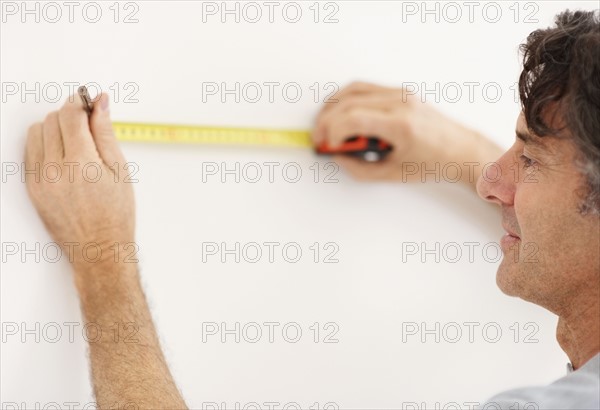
(427, 144)
(128, 367)
(95, 209)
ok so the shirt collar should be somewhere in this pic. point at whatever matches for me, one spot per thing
(593, 362)
(569, 368)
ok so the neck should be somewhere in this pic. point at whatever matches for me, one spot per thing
(578, 331)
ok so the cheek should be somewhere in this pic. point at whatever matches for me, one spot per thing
(535, 206)
(546, 217)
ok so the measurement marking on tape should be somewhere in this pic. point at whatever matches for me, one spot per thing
(185, 134)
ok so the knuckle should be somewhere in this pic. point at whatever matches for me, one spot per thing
(348, 103)
(410, 99)
(33, 130)
(69, 109)
(104, 131)
(356, 120)
(325, 120)
(358, 85)
(51, 118)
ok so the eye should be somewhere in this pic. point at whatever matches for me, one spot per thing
(527, 162)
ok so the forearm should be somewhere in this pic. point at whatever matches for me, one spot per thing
(128, 367)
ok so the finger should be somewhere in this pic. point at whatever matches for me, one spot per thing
(362, 170)
(356, 89)
(358, 122)
(103, 134)
(383, 102)
(53, 145)
(74, 127)
(362, 87)
(34, 153)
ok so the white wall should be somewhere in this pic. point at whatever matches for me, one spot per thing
(369, 294)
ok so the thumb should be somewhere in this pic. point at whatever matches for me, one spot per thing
(364, 171)
(102, 131)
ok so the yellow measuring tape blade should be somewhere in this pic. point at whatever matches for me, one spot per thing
(185, 134)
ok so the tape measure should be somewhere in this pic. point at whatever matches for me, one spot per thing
(370, 149)
(210, 135)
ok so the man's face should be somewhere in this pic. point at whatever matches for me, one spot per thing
(551, 251)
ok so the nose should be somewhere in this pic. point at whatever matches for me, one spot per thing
(496, 183)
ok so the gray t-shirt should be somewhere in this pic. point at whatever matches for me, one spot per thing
(579, 389)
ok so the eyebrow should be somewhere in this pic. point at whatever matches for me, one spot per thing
(529, 139)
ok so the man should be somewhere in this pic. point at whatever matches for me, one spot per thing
(552, 202)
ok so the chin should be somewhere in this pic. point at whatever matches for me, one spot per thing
(509, 278)
(520, 280)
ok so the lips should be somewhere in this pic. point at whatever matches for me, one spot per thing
(510, 231)
(510, 239)
(510, 228)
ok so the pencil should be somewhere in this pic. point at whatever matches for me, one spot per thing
(88, 104)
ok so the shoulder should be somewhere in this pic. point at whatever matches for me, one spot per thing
(578, 390)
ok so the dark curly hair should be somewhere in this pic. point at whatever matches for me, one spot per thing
(561, 65)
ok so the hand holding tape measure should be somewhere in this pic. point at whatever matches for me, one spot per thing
(368, 148)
